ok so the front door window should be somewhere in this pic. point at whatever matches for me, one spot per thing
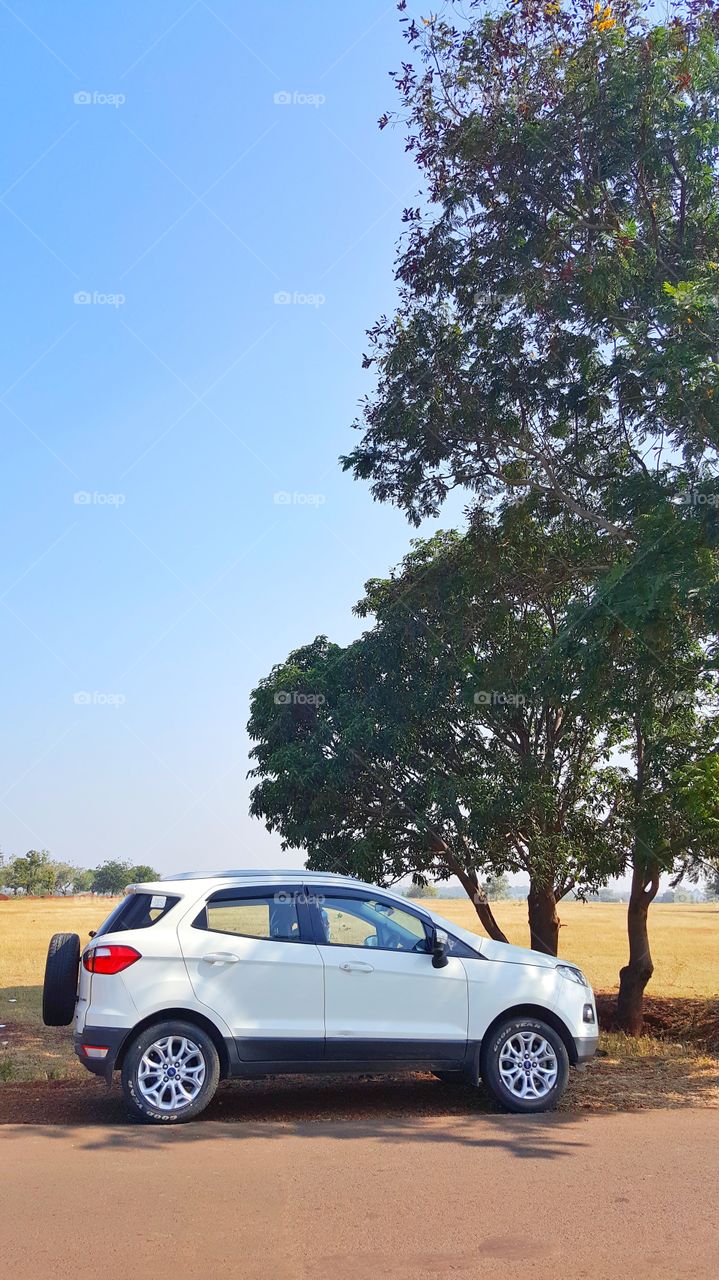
(371, 922)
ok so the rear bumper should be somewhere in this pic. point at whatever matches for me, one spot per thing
(110, 1038)
(586, 1047)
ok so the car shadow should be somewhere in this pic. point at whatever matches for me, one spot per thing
(405, 1108)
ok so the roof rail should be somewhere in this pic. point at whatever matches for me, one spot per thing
(263, 872)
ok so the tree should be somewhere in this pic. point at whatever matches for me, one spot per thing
(142, 873)
(608, 895)
(111, 877)
(422, 891)
(82, 880)
(63, 877)
(497, 888)
(32, 874)
(711, 887)
(557, 329)
(652, 619)
(457, 736)
(559, 315)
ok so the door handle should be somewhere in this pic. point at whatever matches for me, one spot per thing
(357, 966)
(220, 957)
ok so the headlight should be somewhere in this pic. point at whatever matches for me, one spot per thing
(574, 975)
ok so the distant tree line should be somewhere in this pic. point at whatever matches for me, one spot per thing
(37, 874)
(499, 889)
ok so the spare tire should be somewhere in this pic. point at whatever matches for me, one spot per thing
(60, 987)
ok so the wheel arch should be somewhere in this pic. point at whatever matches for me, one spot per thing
(185, 1015)
(545, 1015)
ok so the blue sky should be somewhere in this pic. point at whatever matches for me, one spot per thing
(156, 397)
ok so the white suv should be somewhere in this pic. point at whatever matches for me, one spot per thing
(249, 973)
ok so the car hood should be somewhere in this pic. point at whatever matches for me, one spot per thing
(492, 950)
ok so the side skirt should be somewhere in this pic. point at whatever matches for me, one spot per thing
(296, 1057)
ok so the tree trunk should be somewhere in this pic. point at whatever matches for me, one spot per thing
(635, 975)
(486, 917)
(471, 886)
(543, 918)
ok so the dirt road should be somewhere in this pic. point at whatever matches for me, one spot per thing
(425, 1196)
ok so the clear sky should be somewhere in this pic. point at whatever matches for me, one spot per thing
(156, 397)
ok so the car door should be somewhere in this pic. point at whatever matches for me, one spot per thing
(384, 1000)
(251, 957)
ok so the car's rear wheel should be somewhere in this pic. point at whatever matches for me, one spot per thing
(170, 1072)
(524, 1065)
(59, 991)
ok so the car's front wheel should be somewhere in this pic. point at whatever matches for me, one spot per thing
(170, 1073)
(524, 1065)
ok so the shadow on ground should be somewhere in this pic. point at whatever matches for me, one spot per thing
(668, 1075)
(381, 1105)
(401, 1110)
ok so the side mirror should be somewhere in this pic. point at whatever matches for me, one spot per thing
(439, 949)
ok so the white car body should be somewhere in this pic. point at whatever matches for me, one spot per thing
(279, 1004)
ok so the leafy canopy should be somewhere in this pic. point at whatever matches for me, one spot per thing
(558, 322)
(462, 733)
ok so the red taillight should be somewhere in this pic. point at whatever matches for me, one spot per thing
(110, 959)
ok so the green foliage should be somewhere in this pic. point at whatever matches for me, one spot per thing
(556, 339)
(462, 734)
(63, 877)
(558, 320)
(497, 888)
(38, 873)
(32, 874)
(420, 890)
(82, 880)
(111, 877)
(142, 873)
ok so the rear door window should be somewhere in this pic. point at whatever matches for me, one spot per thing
(137, 911)
(272, 916)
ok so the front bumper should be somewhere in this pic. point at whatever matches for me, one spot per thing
(585, 1048)
(110, 1038)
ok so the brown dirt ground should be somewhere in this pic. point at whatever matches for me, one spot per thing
(681, 1020)
(610, 1083)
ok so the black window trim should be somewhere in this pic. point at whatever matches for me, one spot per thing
(248, 892)
(315, 893)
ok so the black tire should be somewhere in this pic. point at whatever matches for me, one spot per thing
(59, 991)
(139, 1106)
(490, 1066)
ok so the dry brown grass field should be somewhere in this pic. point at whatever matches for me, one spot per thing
(685, 942)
